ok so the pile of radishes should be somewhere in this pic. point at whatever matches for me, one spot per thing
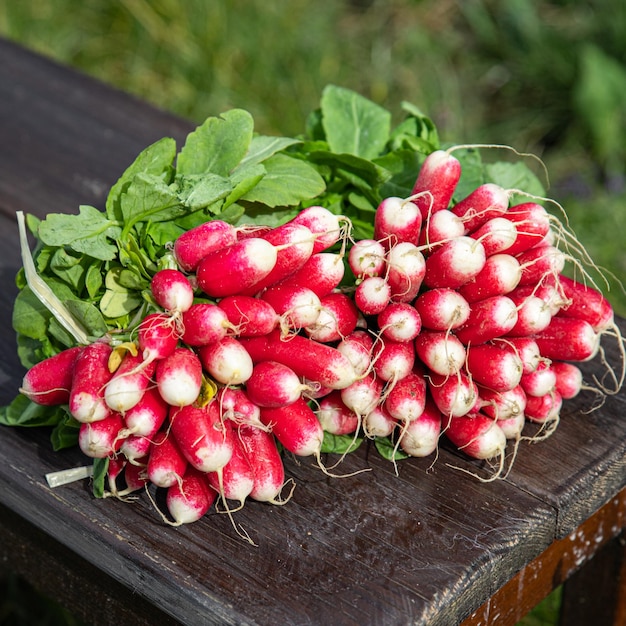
(455, 322)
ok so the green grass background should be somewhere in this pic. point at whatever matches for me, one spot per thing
(543, 77)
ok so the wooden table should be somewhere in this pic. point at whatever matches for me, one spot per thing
(429, 546)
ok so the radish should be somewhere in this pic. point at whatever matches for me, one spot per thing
(455, 395)
(378, 423)
(406, 400)
(538, 262)
(476, 435)
(496, 235)
(134, 448)
(166, 463)
(440, 351)
(148, 415)
(569, 379)
(357, 347)
(486, 202)
(204, 323)
(438, 228)
(513, 426)
(442, 309)
(227, 361)
(586, 303)
(273, 384)
(372, 295)
(527, 350)
(234, 269)
(363, 395)
(90, 377)
(202, 437)
(495, 366)
(298, 306)
(533, 315)
(406, 268)
(367, 258)
(294, 245)
(129, 383)
(326, 226)
(548, 289)
(399, 322)
(544, 409)
(266, 463)
(134, 476)
(393, 360)
(489, 318)
(321, 273)
(179, 377)
(420, 437)
(310, 359)
(235, 405)
(296, 427)
(49, 382)
(335, 417)
(436, 182)
(395, 221)
(532, 222)
(500, 274)
(454, 263)
(568, 339)
(249, 316)
(99, 439)
(191, 498)
(157, 337)
(502, 405)
(337, 318)
(193, 245)
(540, 382)
(172, 291)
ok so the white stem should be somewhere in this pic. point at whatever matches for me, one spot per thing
(64, 477)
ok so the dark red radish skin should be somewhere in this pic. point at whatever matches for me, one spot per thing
(204, 323)
(235, 480)
(498, 277)
(442, 309)
(166, 463)
(310, 359)
(436, 182)
(540, 382)
(527, 350)
(358, 347)
(172, 290)
(393, 360)
(235, 269)
(407, 398)
(273, 384)
(568, 339)
(502, 405)
(532, 222)
(586, 303)
(454, 395)
(322, 273)
(266, 463)
(115, 469)
(335, 417)
(400, 321)
(179, 377)
(294, 245)
(202, 437)
(438, 228)
(99, 439)
(157, 336)
(249, 316)
(245, 231)
(440, 351)
(90, 377)
(454, 263)
(420, 437)
(543, 409)
(406, 268)
(476, 435)
(548, 289)
(296, 427)
(135, 478)
(325, 226)
(48, 382)
(496, 235)
(488, 319)
(227, 361)
(190, 499)
(378, 423)
(494, 366)
(193, 245)
(297, 305)
(569, 379)
(372, 295)
(129, 383)
(148, 415)
(486, 202)
(397, 220)
(539, 262)
(366, 258)
(235, 405)
(338, 317)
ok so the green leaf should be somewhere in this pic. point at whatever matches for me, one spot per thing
(149, 198)
(362, 173)
(472, 172)
(88, 316)
(354, 124)
(389, 450)
(244, 179)
(514, 176)
(262, 147)
(218, 145)
(117, 300)
(157, 159)
(23, 412)
(93, 279)
(100, 468)
(30, 316)
(89, 232)
(288, 181)
(197, 191)
(340, 444)
(65, 433)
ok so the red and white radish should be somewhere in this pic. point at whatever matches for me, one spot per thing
(442, 309)
(396, 221)
(249, 316)
(440, 351)
(194, 244)
(179, 377)
(204, 323)
(399, 322)
(436, 182)
(172, 291)
(454, 263)
(166, 463)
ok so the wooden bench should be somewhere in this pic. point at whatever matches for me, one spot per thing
(430, 546)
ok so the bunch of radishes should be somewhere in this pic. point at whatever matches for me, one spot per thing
(455, 321)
